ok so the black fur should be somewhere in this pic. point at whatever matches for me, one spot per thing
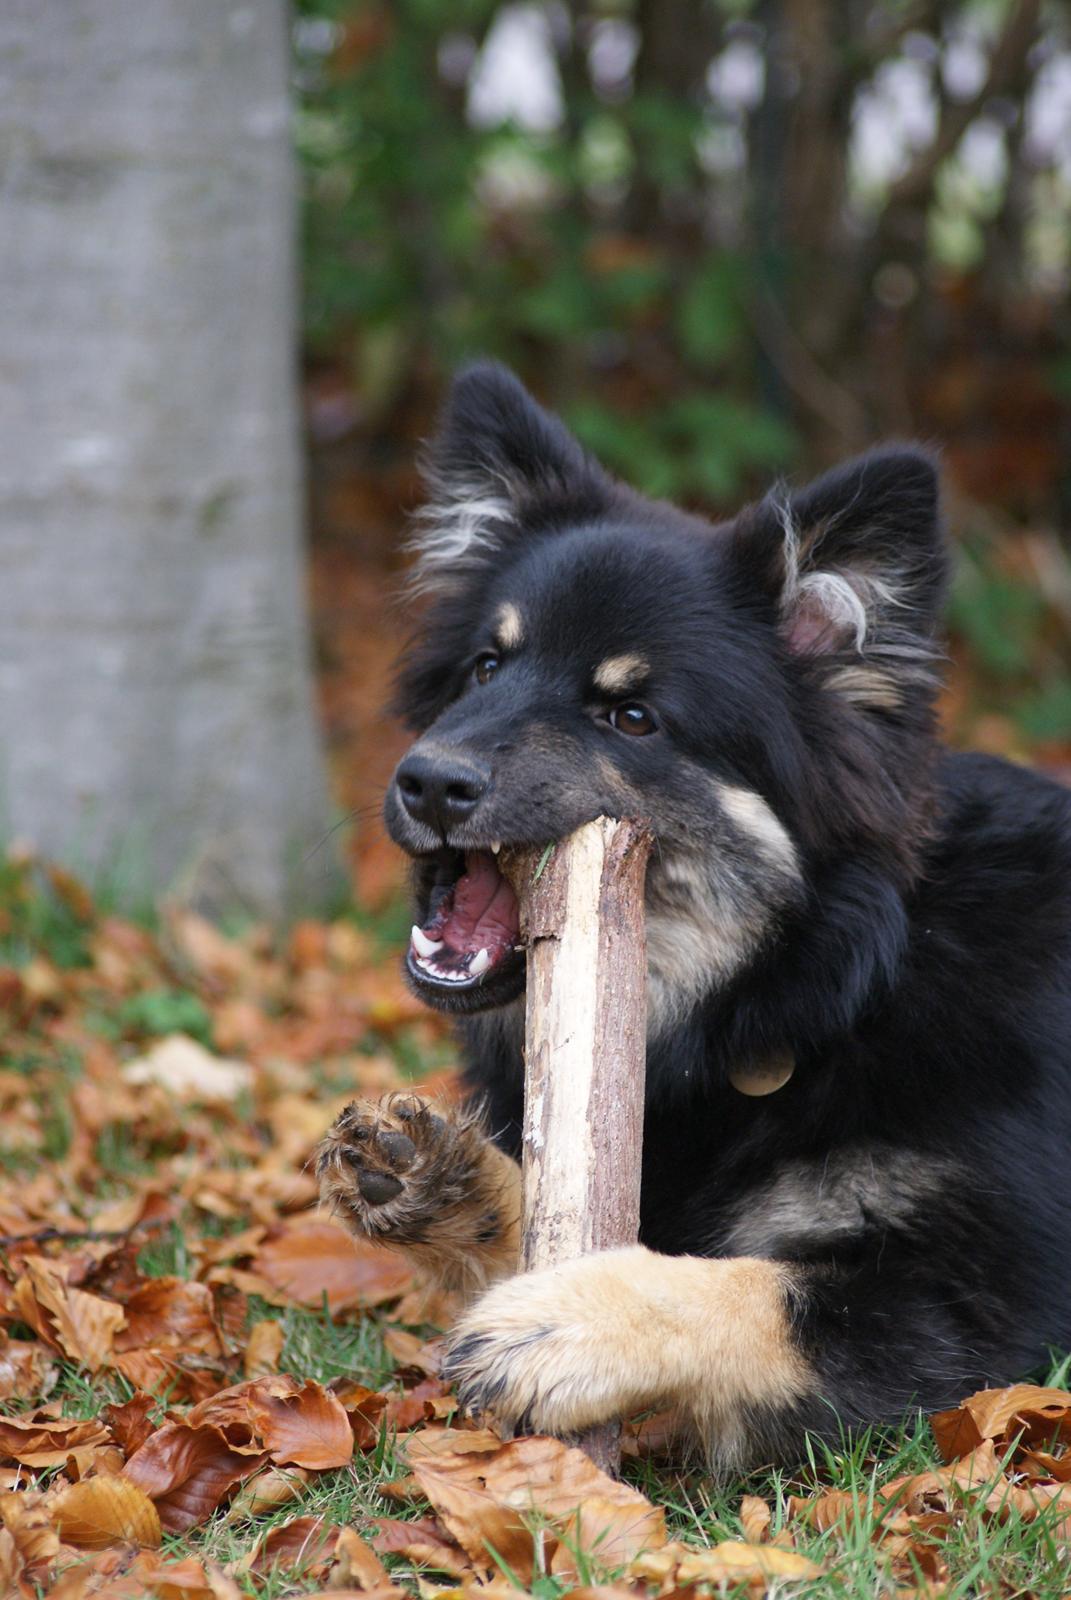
(915, 961)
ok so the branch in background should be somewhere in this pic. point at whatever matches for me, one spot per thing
(1006, 63)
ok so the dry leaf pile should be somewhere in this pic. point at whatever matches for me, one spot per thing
(161, 1255)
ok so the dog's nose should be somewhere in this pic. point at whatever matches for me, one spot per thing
(441, 791)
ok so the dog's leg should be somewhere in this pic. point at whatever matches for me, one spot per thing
(752, 1354)
(609, 1334)
(429, 1181)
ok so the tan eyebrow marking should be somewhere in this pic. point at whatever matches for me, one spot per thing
(619, 674)
(509, 627)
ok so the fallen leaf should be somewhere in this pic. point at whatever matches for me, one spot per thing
(83, 1326)
(485, 1492)
(423, 1542)
(48, 1442)
(106, 1510)
(300, 1425)
(187, 1070)
(312, 1257)
(24, 1368)
(264, 1347)
(356, 1566)
(309, 1428)
(365, 1408)
(187, 1471)
(755, 1519)
(26, 1518)
(130, 1423)
(294, 1547)
(270, 1489)
(171, 1313)
(735, 1562)
(1024, 1409)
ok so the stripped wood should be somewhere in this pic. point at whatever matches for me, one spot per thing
(582, 917)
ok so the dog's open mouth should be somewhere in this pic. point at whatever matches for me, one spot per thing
(470, 937)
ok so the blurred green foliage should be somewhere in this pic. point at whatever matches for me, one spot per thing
(688, 255)
(430, 238)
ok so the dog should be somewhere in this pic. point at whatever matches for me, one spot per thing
(839, 911)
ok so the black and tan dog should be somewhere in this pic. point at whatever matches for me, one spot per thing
(830, 891)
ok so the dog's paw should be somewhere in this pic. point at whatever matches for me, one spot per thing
(388, 1166)
(563, 1349)
(426, 1179)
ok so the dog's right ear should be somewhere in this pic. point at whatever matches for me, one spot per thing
(498, 463)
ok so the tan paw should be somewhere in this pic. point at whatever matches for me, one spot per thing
(560, 1350)
(426, 1179)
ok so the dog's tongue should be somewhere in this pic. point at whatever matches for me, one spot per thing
(482, 913)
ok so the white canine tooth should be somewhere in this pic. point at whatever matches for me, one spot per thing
(479, 964)
(422, 944)
(496, 846)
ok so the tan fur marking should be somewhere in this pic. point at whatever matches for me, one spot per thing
(457, 1216)
(609, 1334)
(509, 627)
(755, 818)
(621, 674)
(866, 686)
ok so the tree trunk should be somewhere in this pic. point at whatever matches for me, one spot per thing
(155, 691)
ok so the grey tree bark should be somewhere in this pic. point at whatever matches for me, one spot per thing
(155, 689)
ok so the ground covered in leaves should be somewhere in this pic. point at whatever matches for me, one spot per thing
(207, 1389)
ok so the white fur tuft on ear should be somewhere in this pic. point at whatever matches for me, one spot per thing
(829, 609)
(461, 520)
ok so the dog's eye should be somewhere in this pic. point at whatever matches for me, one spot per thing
(632, 718)
(486, 667)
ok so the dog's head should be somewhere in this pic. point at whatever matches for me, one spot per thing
(761, 690)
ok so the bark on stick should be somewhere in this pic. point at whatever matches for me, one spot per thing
(585, 1046)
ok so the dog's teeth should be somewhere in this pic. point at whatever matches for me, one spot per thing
(479, 964)
(422, 944)
(496, 847)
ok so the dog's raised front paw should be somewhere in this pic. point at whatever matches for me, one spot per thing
(426, 1179)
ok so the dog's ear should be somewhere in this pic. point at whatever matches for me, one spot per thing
(856, 565)
(498, 461)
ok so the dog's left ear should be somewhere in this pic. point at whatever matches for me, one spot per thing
(497, 462)
(856, 565)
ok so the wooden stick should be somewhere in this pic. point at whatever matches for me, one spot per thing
(582, 918)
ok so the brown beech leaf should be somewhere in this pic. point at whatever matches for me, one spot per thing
(734, 1562)
(24, 1368)
(423, 1542)
(263, 1348)
(82, 1325)
(365, 1408)
(26, 1518)
(755, 1519)
(1037, 1414)
(187, 1471)
(105, 1510)
(356, 1566)
(173, 1314)
(48, 1442)
(485, 1491)
(309, 1428)
(414, 1406)
(158, 1373)
(11, 1563)
(420, 1355)
(270, 1489)
(313, 1256)
(300, 1425)
(129, 1423)
(189, 1579)
(296, 1546)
